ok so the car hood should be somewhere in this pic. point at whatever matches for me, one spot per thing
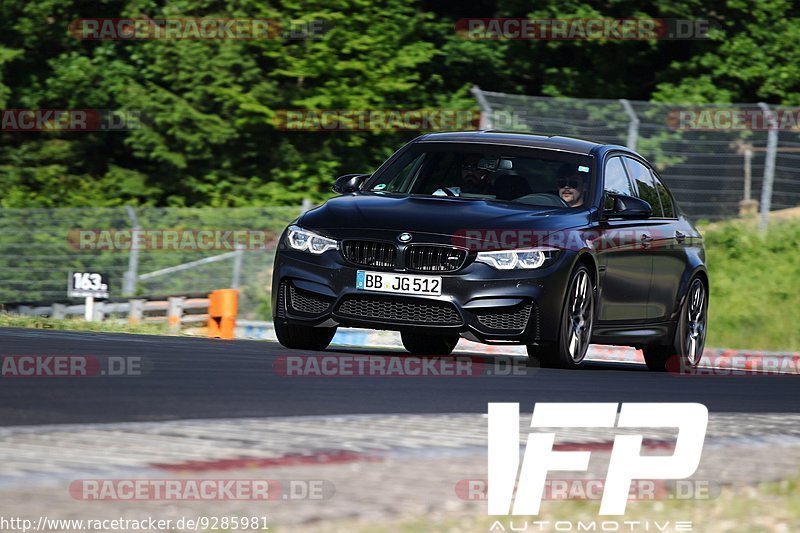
(371, 212)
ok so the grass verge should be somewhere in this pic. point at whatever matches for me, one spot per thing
(767, 507)
(755, 285)
(108, 326)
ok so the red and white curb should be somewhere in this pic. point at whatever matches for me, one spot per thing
(719, 358)
(40, 453)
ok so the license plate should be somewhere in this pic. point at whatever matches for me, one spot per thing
(399, 283)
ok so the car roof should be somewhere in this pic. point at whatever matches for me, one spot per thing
(547, 142)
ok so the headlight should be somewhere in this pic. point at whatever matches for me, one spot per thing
(308, 241)
(524, 259)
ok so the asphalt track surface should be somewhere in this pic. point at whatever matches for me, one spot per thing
(189, 378)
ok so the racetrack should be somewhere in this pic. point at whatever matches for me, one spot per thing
(189, 378)
(386, 448)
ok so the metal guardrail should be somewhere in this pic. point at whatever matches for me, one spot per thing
(175, 310)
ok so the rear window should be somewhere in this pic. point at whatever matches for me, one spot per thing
(643, 181)
(665, 197)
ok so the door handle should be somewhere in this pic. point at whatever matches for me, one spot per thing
(646, 237)
(680, 236)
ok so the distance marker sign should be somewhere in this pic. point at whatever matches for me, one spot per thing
(87, 284)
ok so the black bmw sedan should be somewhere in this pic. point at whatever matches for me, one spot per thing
(501, 238)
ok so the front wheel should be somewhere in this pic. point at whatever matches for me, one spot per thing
(421, 344)
(300, 337)
(690, 335)
(575, 331)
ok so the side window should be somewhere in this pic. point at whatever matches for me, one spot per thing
(402, 171)
(645, 185)
(666, 199)
(616, 181)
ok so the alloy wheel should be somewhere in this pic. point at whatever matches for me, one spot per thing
(579, 320)
(695, 322)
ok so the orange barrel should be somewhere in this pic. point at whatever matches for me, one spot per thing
(223, 305)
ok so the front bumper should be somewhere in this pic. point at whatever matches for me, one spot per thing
(478, 301)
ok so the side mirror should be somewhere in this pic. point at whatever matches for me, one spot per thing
(629, 207)
(349, 183)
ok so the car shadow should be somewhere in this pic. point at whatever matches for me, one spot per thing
(486, 359)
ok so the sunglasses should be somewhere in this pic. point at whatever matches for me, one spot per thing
(573, 183)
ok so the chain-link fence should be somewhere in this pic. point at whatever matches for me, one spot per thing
(39, 247)
(704, 152)
(714, 172)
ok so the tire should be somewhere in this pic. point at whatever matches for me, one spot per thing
(577, 321)
(299, 337)
(421, 344)
(687, 346)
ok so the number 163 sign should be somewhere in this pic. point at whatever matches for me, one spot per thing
(87, 284)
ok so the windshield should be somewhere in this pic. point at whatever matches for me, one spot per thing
(508, 174)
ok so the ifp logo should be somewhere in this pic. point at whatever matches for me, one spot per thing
(626, 463)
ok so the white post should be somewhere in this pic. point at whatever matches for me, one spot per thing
(132, 275)
(174, 313)
(747, 206)
(769, 164)
(237, 266)
(487, 118)
(88, 309)
(135, 311)
(633, 124)
(748, 173)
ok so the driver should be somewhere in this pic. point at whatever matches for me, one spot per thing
(571, 185)
(475, 180)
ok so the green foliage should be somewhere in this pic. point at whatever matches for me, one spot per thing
(208, 107)
(752, 56)
(755, 293)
